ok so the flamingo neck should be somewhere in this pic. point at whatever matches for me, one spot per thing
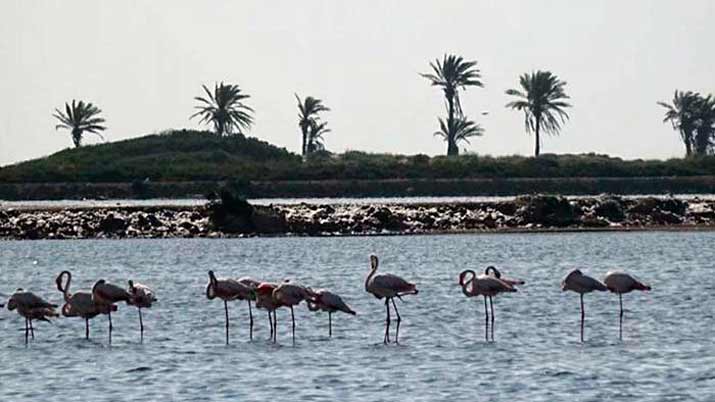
(65, 289)
(464, 282)
(369, 277)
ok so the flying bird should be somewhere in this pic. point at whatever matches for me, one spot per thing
(620, 283)
(388, 286)
(486, 285)
(324, 300)
(578, 282)
(142, 296)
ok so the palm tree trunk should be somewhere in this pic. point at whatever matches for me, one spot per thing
(305, 142)
(77, 138)
(451, 144)
(537, 149)
(687, 139)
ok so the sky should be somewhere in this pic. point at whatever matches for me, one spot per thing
(143, 62)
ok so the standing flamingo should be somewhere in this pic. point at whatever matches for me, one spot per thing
(264, 300)
(388, 286)
(493, 271)
(142, 297)
(79, 304)
(226, 289)
(620, 283)
(251, 284)
(324, 300)
(31, 307)
(105, 295)
(487, 286)
(289, 295)
(581, 284)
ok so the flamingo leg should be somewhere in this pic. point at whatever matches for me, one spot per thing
(27, 331)
(330, 324)
(275, 327)
(86, 328)
(292, 317)
(270, 323)
(387, 322)
(583, 317)
(250, 319)
(225, 307)
(620, 318)
(32, 330)
(141, 324)
(109, 314)
(399, 319)
(486, 320)
(491, 308)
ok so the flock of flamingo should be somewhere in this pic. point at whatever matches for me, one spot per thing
(104, 296)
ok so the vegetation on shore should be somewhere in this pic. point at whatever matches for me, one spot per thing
(187, 155)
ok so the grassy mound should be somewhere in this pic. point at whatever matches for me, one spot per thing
(182, 155)
(192, 156)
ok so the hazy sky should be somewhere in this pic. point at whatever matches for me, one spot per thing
(142, 62)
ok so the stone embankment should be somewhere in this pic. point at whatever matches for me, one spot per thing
(526, 213)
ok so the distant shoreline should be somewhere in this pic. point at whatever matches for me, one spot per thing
(364, 188)
(527, 214)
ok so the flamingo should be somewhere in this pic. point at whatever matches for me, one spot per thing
(252, 284)
(493, 271)
(487, 286)
(581, 284)
(227, 289)
(105, 295)
(264, 300)
(31, 307)
(325, 300)
(142, 297)
(79, 304)
(289, 295)
(620, 283)
(388, 286)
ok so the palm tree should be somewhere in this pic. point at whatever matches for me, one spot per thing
(308, 110)
(682, 114)
(461, 129)
(80, 118)
(315, 136)
(705, 125)
(452, 74)
(224, 109)
(543, 100)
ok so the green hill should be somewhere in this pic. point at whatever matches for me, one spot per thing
(181, 155)
(186, 155)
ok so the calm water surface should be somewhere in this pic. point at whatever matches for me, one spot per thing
(668, 352)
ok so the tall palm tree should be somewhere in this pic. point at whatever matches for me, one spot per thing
(453, 74)
(224, 108)
(80, 118)
(315, 136)
(682, 114)
(543, 100)
(308, 110)
(705, 125)
(460, 129)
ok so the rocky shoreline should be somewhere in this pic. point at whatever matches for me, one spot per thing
(523, 214)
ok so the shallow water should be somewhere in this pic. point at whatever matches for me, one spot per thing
(668, 352)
